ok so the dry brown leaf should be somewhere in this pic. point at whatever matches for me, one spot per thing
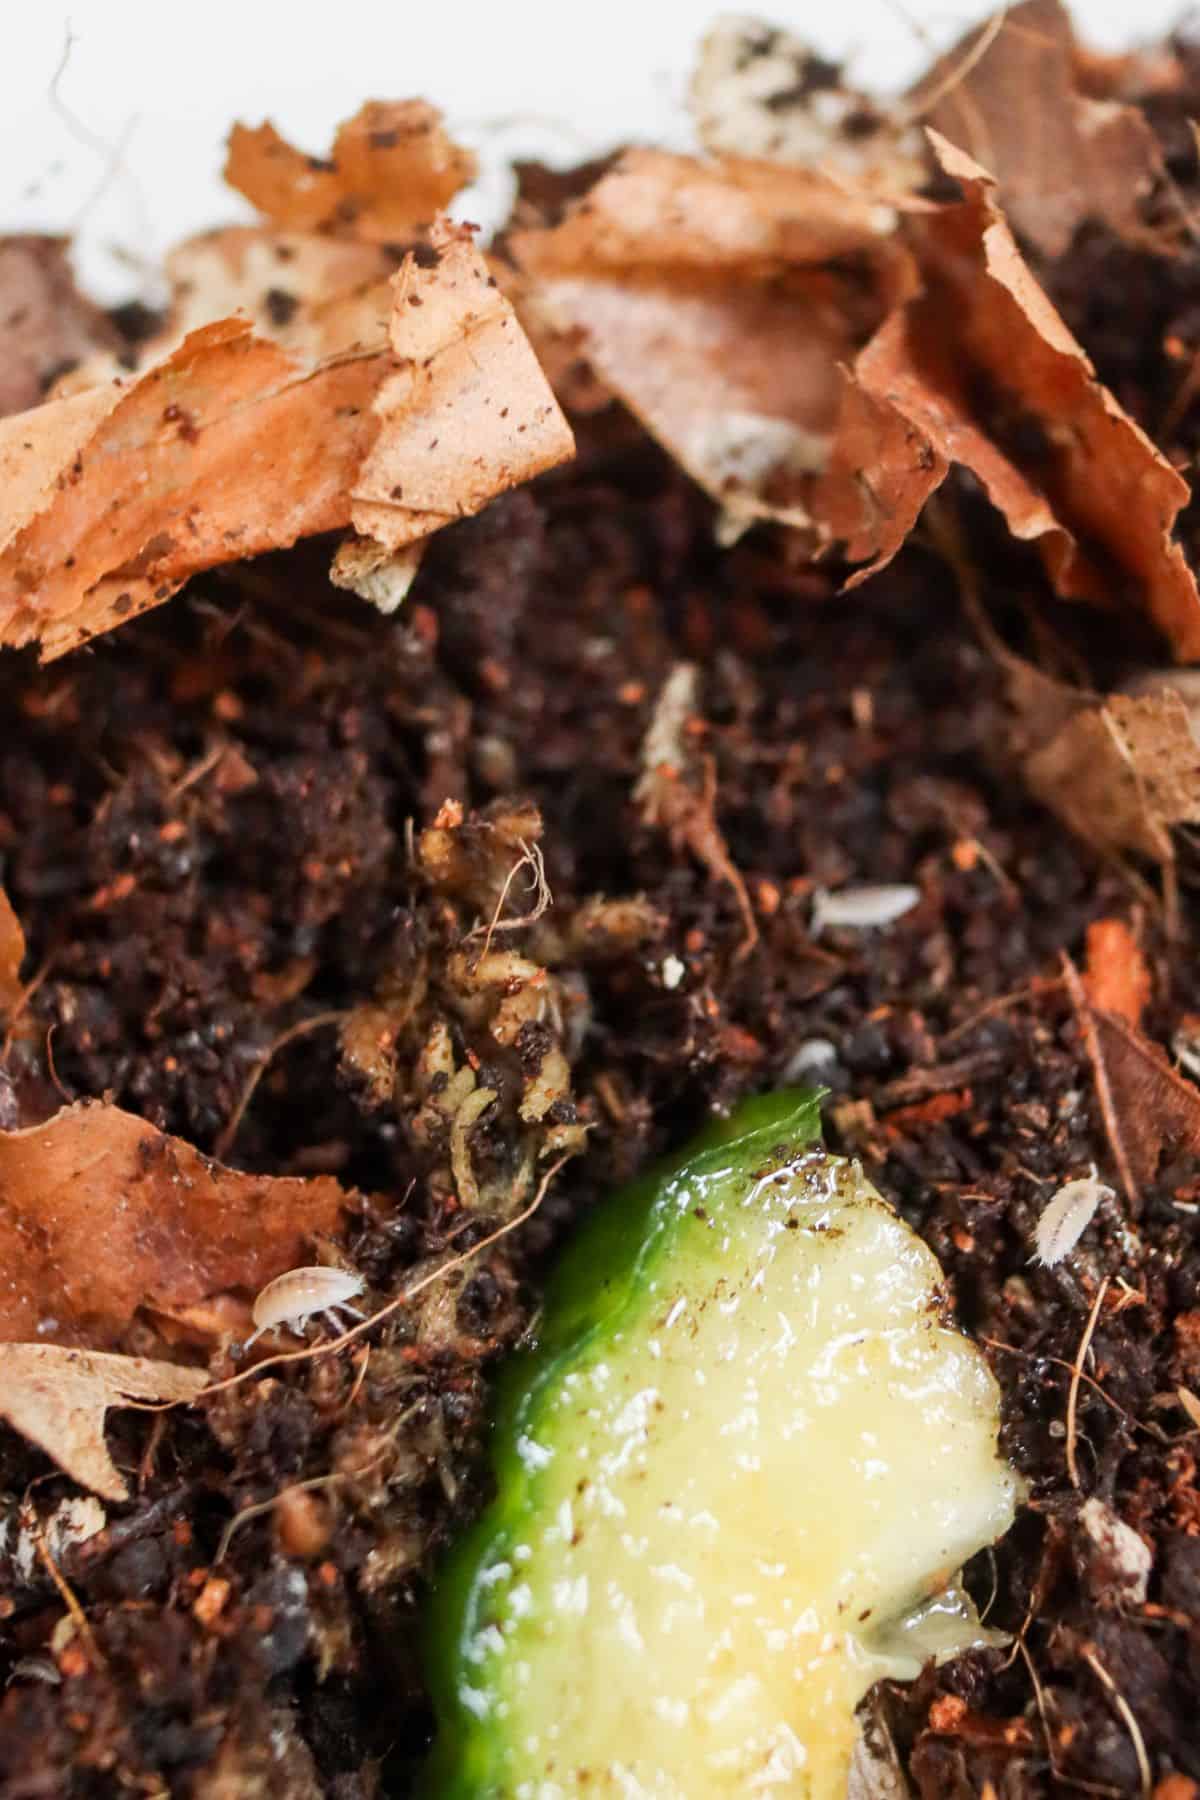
(393, 168)
(1154, 1106)
(292, 287)
(46, 325)
(882, 468)
(1059, 157)
(760, 91)
(12, 955)
(58, 1398)
(1137, 74)
(716, 299)
(467, 412)
(1117, 977)
(983, 366)
(111, 498)
(1121, 773)
(101, 1214)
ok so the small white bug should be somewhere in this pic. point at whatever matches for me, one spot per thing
(1067, 1216)
(299, 1295)
(810, 1058)
(863, 908)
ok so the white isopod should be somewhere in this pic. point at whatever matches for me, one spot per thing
(866, 908)
(1067, 1216)
(299, 1295)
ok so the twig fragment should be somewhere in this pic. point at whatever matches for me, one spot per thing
(1076, 1376)
(1108, 1111)
(66, 1593)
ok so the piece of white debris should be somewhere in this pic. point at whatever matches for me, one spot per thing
(673, 971)
(300, 1295)
(863, 908)
(812, 1056)
(379, 576)
(663, 743)
(1067, 1216)
(1186, 1045)
(72, 1522)
(1120, 1560)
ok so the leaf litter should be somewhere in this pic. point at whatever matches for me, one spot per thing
(1060, 157)
(236, 440)
(58, 1398)
(392, 169)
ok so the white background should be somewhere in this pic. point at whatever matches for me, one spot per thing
(151, 87)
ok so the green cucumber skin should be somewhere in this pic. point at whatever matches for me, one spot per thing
(600, 1274)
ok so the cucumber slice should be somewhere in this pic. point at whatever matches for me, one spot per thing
(735, 1481)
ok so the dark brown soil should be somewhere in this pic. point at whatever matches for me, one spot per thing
(189, 907)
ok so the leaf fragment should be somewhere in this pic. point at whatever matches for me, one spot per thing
(101, 1214)
(58, 1398)
(392, 169)
(237, 443)
(981, 365)
(48, 325)
(113, 497)
(760, 91)
(1060, 157)
(1155, 1106)
(716, 299)
(1116, 978)
(466, 412)
(1121, 772)
(312, 295)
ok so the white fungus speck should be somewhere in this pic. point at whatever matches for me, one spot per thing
(1067, 1216)
(863, 908)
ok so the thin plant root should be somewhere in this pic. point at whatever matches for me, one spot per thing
(224, 1143)
(1076, 1377)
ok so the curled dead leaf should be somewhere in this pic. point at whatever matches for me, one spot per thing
(392, 169)
(101, 1214)
(1155, 1107)
(47, 324)
(235, 444)
(716, 299)
(114, 497)
(882, 468)
(1060, 157)
(983, 367)
(58, 1398)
